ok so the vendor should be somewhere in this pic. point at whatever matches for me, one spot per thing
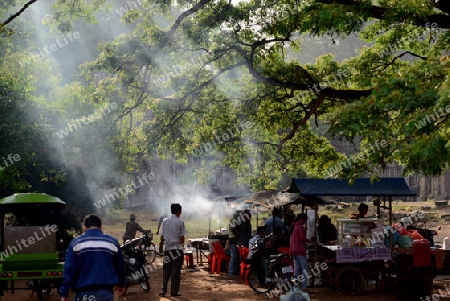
(275, 221)
(327, 232)
(362, 209)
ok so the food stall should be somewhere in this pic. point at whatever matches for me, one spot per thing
(364, 249)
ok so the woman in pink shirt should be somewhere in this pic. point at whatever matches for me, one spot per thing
(297, 247)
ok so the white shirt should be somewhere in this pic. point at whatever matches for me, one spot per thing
(172, 228)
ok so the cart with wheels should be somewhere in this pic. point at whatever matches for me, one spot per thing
(407, 271)
(359, 256)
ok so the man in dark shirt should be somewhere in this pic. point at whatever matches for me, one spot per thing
(362, 211)
(245, 231)
(327, 232)
(131, 228)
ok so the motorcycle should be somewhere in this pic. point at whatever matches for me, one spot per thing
(42, 287)
(148, 247)
(135, 264)
(279, 270)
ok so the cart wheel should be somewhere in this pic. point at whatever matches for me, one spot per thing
(349, 280)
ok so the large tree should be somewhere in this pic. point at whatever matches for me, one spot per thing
(219, 82)
(203, 68)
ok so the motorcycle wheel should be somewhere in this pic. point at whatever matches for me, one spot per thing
(150, 253)
(144, 284)
(40, 287)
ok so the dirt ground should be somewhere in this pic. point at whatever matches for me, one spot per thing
(198, 284)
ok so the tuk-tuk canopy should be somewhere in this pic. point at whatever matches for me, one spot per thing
(28, 201)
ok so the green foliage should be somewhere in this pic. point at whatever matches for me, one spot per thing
(213, 83)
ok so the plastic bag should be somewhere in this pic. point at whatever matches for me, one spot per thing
(395, 236)
(414, 234)
(405, 241)
(295, 294)
(399, 228)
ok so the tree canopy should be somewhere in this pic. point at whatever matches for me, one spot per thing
(226, 83)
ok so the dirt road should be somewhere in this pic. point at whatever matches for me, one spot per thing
(198, 284)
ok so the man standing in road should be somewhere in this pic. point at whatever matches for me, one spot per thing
(172, 236)
(94, 265)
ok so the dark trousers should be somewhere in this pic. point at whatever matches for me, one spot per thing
(257, 264)
(173, 261)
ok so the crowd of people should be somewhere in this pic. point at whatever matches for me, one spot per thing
(276, 233)
(95, 267)
(94, 263)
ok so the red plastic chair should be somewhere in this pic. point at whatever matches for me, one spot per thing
(218, 256)
(210, 261)
(243, 253)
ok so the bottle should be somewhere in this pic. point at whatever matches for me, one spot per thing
(348, 241)
(446, 243)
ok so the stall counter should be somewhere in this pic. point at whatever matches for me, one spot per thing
(360, 254)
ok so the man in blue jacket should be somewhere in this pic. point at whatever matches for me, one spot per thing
(94, 266)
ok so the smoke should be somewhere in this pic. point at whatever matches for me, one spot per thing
(87, 149)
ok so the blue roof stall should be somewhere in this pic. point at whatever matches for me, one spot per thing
(360, 187)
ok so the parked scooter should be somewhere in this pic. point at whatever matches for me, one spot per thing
(278, 276)
(135, 264)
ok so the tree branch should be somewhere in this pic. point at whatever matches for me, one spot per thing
(443, 5)
(11, 18)
(399, 56)
(378, 12)
(184, 15)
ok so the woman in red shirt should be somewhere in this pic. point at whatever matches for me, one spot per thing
(297, 248)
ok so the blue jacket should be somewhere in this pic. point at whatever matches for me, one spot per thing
(93, 261)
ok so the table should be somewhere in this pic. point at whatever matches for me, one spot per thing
(198, 244)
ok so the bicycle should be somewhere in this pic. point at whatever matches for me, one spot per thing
(148, 247)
